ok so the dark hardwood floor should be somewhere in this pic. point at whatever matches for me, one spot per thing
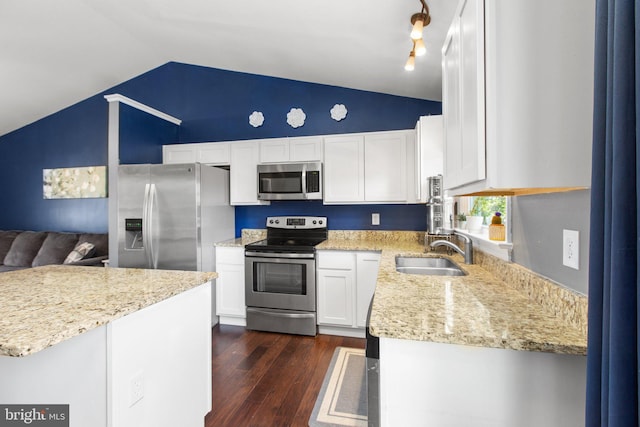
(267, 379)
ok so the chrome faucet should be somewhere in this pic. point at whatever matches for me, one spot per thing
(468, 247)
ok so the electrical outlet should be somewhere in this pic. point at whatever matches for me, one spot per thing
(375, 219)
(571, 248)
(136, 388)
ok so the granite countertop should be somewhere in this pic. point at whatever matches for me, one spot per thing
(248, 236)
(479, 309)
(232, 243)
(43, 306)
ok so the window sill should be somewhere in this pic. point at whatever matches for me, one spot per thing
(481, 241)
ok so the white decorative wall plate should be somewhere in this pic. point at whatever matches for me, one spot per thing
(338, 112)
(256, 119)
(296, 117)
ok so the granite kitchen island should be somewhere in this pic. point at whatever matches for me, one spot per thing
(121, 347)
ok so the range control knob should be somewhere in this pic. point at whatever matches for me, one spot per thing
(315, 222)
(277, 221)
(320, 222)
(270, 221)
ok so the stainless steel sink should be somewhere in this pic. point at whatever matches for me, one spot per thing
(433, 266)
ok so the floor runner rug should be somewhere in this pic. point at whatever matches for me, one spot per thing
(342, 400)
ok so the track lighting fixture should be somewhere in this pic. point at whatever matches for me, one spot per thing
(411, 62)
(418, 22)
(419, 47)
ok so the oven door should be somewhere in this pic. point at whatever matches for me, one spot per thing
(277, 280)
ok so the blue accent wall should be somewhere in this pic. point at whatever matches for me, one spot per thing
(214, 105)
(75, 136)
(339, 217)
(143, 135)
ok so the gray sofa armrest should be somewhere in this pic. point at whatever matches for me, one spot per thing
(95, 261)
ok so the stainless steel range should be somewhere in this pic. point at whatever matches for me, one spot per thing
(280, 275)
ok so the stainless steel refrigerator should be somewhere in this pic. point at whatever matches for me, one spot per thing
(169, 216)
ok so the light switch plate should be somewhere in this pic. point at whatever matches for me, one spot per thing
(375, 219)
(571, 248)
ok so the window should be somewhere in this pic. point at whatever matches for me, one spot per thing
(483, 206)
(487, 206)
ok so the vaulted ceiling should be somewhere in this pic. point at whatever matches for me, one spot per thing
(56, 53)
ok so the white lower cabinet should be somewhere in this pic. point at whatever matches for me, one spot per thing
(424, 383)
(367, 265)
(346, 281)
(336, 276)
(230, 303)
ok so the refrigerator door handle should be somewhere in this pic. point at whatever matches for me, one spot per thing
(153, 260)
(146, 221)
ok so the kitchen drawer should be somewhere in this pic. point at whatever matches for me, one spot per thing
(229, 255)
(336, 260)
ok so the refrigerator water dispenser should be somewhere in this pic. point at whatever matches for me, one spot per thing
(133, 234)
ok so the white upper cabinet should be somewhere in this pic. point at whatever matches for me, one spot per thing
(372, 167)
(307, 149)
(517, 97)
(210, 153)
(179, 153)
(303, 149)
(376, 167)
(244, 173)
(241, 156)
(463, 96)
(218, 153)
(274, 150)
(429, 153)
(344, 169)
(384, 175)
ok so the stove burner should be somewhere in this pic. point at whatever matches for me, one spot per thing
(292, 234)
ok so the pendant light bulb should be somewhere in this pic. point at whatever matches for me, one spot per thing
(416, 31)
(420, 48)
(411, 62)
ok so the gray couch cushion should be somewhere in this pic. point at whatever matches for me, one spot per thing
(55, 248)
(81, 251)
(100, 241)
(6, 239)
(24, 248)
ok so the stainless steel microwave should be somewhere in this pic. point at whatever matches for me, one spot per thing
(290, 181)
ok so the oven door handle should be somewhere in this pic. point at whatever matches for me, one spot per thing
(279, 255)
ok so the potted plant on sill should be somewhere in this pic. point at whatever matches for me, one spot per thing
(475, 220)
(462, 221)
